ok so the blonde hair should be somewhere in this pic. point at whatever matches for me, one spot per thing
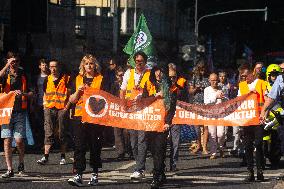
(89, 58)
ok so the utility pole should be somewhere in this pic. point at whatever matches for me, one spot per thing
(195, 31)
(135, 14)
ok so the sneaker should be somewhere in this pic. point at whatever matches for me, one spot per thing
(62, 161)
(42, 161)
(8, 174)
(94, 180)
(137, 175)
(21, 168)
(76, 180)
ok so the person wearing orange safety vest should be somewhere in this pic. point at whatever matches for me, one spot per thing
(132, 86)
(253, 135)
(14, 80)
(86, 134)
(56, 94)
(178, 87)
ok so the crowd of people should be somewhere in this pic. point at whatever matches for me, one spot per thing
(53, 99)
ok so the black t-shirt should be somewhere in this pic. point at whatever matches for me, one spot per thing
(56, 82)
(86, 81)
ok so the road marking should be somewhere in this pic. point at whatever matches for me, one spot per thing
(124, 167)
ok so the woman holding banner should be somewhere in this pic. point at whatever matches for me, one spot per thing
(86, 134)
(158, 86)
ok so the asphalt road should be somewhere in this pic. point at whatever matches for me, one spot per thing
(195, 171)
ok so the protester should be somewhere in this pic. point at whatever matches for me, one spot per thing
(111, 78)
(257, 69)
(86, 134)
(253, 134)
(56, 93)
(37, 105)
(178, 86)
(121, 135)
(158, 86)
(214, 95)
(197, 85)
(15, 81)
(132, 85)
(228, 91)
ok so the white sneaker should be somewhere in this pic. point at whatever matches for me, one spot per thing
(62, 161)
(76, 180)
(94, 180)
(137, 175)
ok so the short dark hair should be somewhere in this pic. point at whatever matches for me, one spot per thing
(141, 53)
(42, 61)
(12, 54)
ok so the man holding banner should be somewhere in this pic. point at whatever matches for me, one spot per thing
(131, 88)
(253, 134)
(16, 81)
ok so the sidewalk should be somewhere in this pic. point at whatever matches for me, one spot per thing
(279, 185)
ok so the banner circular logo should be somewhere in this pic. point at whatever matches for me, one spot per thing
(96, 106)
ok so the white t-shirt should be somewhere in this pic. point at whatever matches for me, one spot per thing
(251, 87)
(210, 96)
(126, 77)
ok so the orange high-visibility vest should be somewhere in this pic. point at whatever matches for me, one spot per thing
(55, 97)
(260, 88)
(96, 84)
(150, 88)
(132, 90)
(7, 89)
(180, 82)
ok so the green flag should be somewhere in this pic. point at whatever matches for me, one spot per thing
(141, 40)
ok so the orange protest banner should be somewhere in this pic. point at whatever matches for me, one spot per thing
(6, 107)
(147, 114)
(241, 111)
(105, 109)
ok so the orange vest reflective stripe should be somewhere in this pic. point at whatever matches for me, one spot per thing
(7, 89)
(131, 90)
(96, 84)
(55, 97)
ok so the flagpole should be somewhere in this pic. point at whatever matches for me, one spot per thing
(135, 14)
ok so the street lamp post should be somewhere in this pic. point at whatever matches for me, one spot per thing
(197, 20)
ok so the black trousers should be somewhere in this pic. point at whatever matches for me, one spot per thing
(253, 137)
(122, 141)
(87, 135)
(158, 145)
